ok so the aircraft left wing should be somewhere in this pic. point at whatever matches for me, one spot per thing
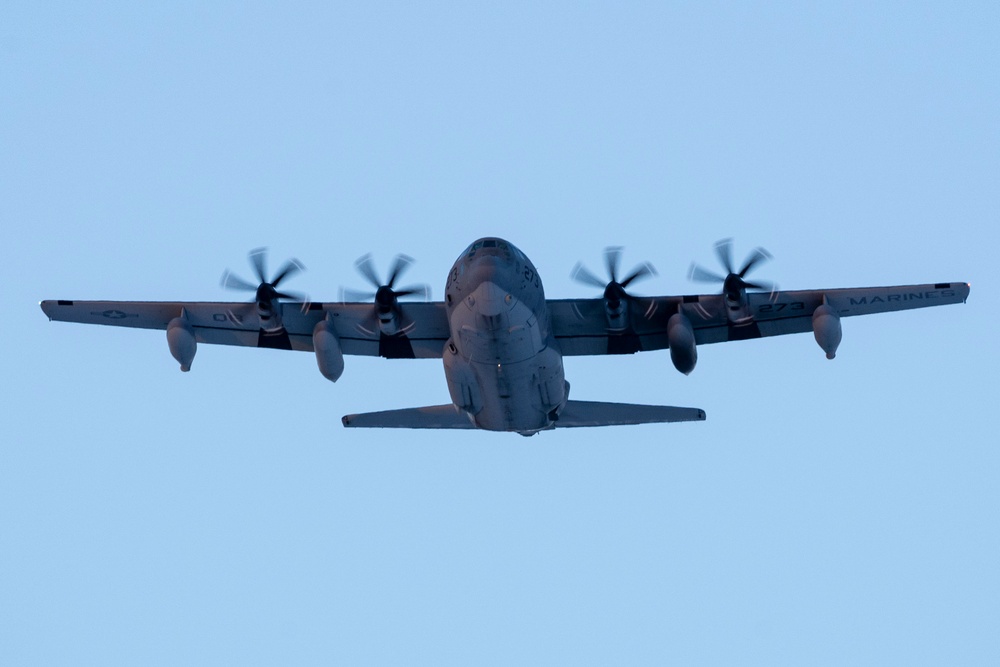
(424, 333)
(582, 326)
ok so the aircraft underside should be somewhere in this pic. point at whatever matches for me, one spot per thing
(501, 341)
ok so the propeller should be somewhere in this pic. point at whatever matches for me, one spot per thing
(734, 282)
(386, 295)
(614, 289)
(267, 290)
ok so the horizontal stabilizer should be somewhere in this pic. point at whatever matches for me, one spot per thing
(595, 413)
(576, 414)
(431, 416)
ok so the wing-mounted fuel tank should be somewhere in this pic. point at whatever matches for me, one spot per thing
(181, 340)
(827, 329)
(329, 355)
(680, 336)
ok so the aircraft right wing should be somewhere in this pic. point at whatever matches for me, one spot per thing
(224, 323)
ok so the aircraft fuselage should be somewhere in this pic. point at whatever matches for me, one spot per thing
(503, 366)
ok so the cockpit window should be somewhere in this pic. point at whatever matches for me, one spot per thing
(505, 249)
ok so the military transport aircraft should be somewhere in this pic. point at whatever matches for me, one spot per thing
(502, 342)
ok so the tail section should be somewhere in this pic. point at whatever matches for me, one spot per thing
(576, 414)
(595, 413)
(431, 416)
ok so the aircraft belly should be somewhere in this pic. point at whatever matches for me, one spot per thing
(518, 375)
(513, 397)
(507, 344)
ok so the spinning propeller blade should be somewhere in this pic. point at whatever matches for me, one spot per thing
(734, 281)
(613, 287)
(266, 291)
(386, 296)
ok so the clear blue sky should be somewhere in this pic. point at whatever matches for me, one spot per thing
(838, 512)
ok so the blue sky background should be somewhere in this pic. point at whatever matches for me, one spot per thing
(837, 512)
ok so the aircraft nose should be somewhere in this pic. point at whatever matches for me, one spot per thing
(486, 269)
(491, 300)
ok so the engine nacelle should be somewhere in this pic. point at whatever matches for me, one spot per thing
(827, 330)
(180, 338)
(329, 355)
(680, 336)
(269, 314)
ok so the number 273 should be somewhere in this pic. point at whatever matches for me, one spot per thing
(778, 307)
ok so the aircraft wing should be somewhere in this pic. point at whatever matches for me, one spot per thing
(581, 326)
(424, 335)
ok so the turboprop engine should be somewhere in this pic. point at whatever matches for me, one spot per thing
(387, 315)
(329, 355)
(266, 305)
(683, 351)
(734, 283)
(826, 329)
(616, 299)
(180, 338)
